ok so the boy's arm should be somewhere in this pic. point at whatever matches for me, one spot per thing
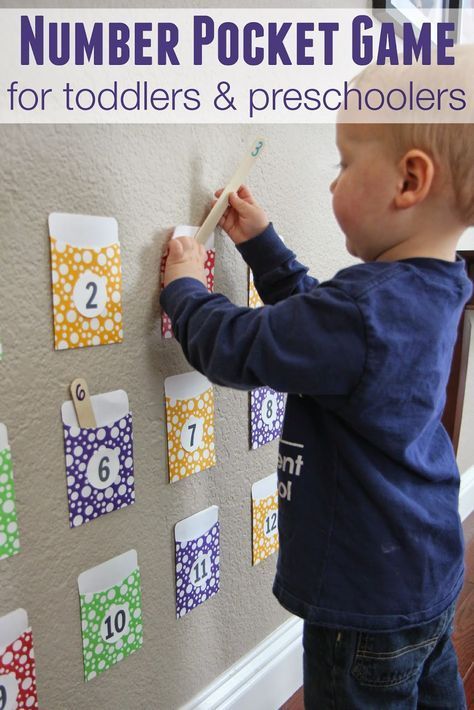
(276, 272)
(311, 343)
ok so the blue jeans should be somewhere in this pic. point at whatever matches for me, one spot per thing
(399, 670)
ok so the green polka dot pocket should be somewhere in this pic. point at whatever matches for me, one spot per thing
(111, 614)
(9, 537)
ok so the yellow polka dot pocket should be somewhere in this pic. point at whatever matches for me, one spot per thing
(264, 518)
(190, 424)
(254, 299)
(86, 276)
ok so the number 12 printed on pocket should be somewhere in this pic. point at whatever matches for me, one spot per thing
(86, 280)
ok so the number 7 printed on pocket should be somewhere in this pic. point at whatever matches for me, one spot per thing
(86, 280)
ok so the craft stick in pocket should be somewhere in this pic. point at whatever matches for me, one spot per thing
(82, 404)
(212, 219)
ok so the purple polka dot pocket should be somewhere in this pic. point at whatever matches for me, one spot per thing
(267, 409)
(197, 559)
(99, 460)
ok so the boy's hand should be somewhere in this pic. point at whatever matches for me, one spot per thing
(244, 218)
(185, 257)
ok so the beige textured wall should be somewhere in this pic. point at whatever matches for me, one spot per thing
(149, 178)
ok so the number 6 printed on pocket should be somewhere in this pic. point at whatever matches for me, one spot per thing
(99, 459)
(86, 280)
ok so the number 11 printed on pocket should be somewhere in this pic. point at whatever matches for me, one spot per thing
(86, 280)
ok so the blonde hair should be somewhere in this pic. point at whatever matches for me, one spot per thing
(450, 145)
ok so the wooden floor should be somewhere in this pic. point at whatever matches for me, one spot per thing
(464, 633)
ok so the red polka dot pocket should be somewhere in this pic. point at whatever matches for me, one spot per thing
(17, 662)
(190, 424)
(86, 277)
(184, 230)
(99, 458)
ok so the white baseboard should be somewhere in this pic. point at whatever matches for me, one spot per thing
(466, 494)
(267, 676)
(263, 679)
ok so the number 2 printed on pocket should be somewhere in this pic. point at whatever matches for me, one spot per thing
(190, 424)
(86, 280)
(99, 460)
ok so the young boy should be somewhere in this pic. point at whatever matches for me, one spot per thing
(371, 548)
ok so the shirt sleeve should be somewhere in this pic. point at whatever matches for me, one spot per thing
(276, 272)
(311, 343)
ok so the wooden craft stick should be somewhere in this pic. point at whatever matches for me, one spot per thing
(212, 219)
(82, 404)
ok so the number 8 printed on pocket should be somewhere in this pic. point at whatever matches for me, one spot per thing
(86, 280)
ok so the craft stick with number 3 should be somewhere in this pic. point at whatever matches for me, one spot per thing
(239, 177)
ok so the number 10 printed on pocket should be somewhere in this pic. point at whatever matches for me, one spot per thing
(86, 280)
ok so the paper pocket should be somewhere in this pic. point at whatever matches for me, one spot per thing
(17, 663)
(99, 460)
(184, 230)
(86, 279)
(190, 424)
(111, 612)
(264, 518)
(254, 299)
(267, 409)
(9, 535)
(197, 541)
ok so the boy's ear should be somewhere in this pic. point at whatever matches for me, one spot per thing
(416, 173)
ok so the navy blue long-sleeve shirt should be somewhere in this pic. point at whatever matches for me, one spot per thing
(370, 535)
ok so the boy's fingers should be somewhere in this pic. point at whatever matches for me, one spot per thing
(219, 192)
(176, 249)
(240, 205)
(245, 194)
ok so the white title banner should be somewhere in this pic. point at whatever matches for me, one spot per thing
(235, 66)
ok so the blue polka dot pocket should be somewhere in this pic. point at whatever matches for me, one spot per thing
(99, 460)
